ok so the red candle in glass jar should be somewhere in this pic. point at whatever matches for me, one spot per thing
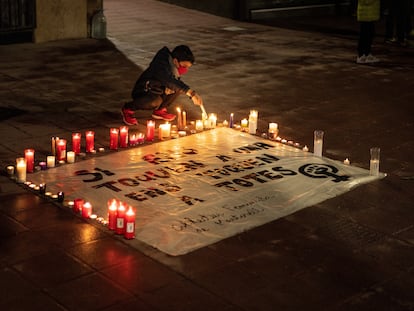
(90, 141)
(77, 205)
(123, 136)
(86, 210)
(113, 139)
(133, 139)
(61, 150)
(112, 213)
(140, 138)
(76, 142)
(120, 219)
(29, 156)
(129, 224)
(150, 130)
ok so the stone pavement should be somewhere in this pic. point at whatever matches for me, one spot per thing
(353, 252)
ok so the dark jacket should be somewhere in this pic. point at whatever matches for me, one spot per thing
(160, 74)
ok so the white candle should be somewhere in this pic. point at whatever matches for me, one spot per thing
(179, 118)
(347, 162)
(70, 157)
(184, 121)
(21, 170)
(10, 170)
(273, 130)
(199, 125)
(306, 149)
(164, 131)
(51, 161)
(213, 120)
(375, 161)
(318, 142)
(244, 123)
(273, 127)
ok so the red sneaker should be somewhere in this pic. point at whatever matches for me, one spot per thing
(162, 114)
(128, 117)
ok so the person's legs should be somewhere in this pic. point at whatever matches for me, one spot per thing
(370, 37)
(161, 111)
(363, 38)
(366, 37)
(142, 101)
(167, 100)
(390, 20)
(401, 20)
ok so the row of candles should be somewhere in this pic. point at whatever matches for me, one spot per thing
(120, 216)
(120, 138)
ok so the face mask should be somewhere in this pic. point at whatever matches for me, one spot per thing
(182, 70)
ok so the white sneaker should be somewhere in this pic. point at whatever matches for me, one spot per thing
(361, 59)
(371, 59)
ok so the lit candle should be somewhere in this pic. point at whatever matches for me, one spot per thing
(273, 130)
(123, 136)
(140, 138)
(90, 141)
(306, 149)
(76, 142)
(61, 196)
(42, 188)
(10, 170)
(150, 130)
(70, 157)
(29, 156)
(113, 138)
(21, 170)
(179, 119)
(61, 150)
(199, 125)
(77, 205)
(129, 224)
(231, 123)
(347, 162)
(86, 210)
(120, 219)
(133, 139)
(225, 123)
(213, 120)
(43, 165)
(51, 161)
(206, 123)
(112, 213)
(164, 131)
(253, 121)
(374, 162)
(317, 142)
(244, 123)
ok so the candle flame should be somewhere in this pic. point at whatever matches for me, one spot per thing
(130, 211)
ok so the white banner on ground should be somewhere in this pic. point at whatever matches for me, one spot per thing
(196, 190)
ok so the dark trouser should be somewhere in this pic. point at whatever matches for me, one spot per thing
(150, 101)
(366, 36)
(398, 17)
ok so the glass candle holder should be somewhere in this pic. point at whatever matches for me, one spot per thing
(374, 163)
(318, 142)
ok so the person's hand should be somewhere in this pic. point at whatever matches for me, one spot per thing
(197, 100)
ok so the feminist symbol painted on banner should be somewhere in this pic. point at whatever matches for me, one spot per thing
(316, 170)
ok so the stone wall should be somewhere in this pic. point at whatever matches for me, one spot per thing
(64, 19)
